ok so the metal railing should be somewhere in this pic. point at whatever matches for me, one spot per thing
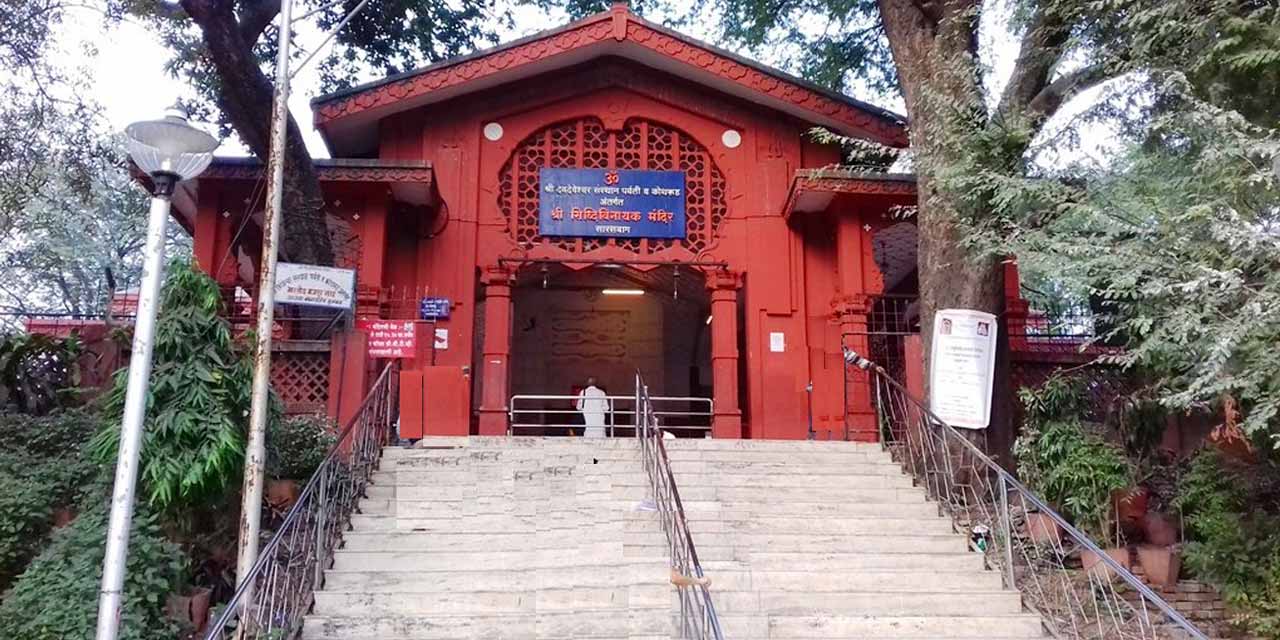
(271, 604)
(697, 612)
(1079, 590)
(534, 412)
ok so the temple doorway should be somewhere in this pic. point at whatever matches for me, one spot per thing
(605, 322)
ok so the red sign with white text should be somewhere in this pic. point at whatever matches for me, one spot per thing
(389, 338)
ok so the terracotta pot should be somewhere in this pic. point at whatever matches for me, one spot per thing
(1094, 564)
(200, 602)
(282, 494)
(1159, 529)
(1161, 564)
(1042, 528)
(62, 516)
(1131, 506)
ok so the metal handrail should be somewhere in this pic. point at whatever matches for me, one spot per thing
(986, 502)
(697, 611)
(273, 601)
(520, 418)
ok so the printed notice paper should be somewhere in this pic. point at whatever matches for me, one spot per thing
(963, 362)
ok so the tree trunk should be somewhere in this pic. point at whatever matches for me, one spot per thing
(934, 50)
(244, 94)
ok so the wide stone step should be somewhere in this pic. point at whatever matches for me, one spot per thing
(793, 481)
(701, 444)
(776, 467)
(403, 603)
(896, 560)
(882, 627)
(584, 539)
(721, 546)
(819, 579)
(459, 477)
(466, 558)
(874, 602)
(869, 525)
(610, 623)
(504, 523)
(732, 510)
(463, 578)
(491, 506)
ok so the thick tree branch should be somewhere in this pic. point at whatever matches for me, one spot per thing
(1042, 48)
(255, 16)
(244, 94)
(1063, 88)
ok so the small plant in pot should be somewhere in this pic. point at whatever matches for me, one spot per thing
(296, 445)
(1071, 467)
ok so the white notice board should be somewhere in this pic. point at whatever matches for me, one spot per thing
(962, 362)
(313, 286)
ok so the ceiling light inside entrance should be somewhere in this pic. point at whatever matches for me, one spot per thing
(623, 292)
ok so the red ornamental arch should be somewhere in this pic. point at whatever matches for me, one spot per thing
(640, 144)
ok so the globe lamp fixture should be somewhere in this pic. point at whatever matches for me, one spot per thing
(169, 149)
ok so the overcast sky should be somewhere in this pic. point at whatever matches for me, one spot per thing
(125, 64)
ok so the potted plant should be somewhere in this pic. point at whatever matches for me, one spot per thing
(1073, 468)
(296, 446)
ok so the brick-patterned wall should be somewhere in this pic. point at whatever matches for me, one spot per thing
(1200, 603)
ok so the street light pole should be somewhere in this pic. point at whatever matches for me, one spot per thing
(255, 454)
(170, 151)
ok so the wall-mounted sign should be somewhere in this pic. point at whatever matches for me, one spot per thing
(961, 367)
(389, 338)
(442, 340)
(777, 342)
(434, 308)
(611, 203)
(313, 286)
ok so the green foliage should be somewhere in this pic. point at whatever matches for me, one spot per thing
(198, 401)
(37, 372)
(41, 468)
(1073, 469)
(298, 444)
(1234, 535)
(55, 598)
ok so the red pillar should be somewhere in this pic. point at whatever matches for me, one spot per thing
(1016, 309)
(497, 351)
(859, 414)
(727, 419)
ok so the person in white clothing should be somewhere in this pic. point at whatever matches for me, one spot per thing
(594, 404)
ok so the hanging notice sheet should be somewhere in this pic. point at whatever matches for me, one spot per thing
(389, 338)
(313, 286)
(963, 361)
(611, 203)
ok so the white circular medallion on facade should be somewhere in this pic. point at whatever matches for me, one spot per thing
(493, 131)
(731, 138)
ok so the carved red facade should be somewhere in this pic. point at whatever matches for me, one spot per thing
(445, 204)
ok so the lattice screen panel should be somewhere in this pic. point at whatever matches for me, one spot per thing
(301, 380)
(586, 144)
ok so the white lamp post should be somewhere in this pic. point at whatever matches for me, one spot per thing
(170, 151)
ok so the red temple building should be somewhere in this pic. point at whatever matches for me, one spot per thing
(435, 191)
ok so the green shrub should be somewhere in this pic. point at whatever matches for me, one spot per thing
(298, 444)
(198, 403)
(1057, 457)
(56, 598)
(1234, 536)
(41, 469)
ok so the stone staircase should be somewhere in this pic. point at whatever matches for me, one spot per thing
(501, 538)
(547, 538)
(831, 540)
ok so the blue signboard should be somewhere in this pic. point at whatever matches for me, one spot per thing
(434, 308)
(611, 203)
